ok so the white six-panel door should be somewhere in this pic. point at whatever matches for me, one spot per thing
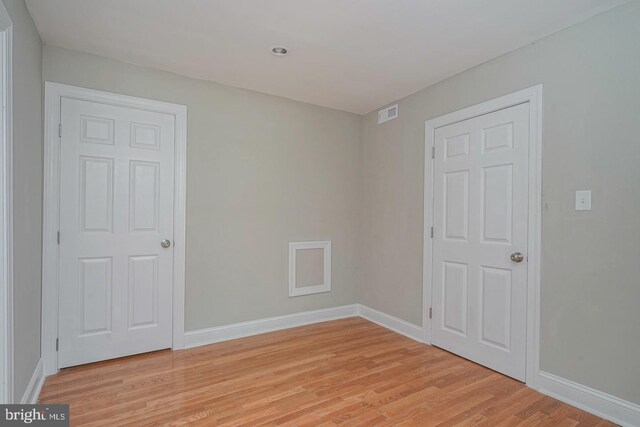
(116, 206)
(480, 220)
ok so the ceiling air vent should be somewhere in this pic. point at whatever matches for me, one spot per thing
(387, 114)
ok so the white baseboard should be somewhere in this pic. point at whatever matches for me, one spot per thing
(390, 322)
(32, 392)
(270, 324)
(598, 403)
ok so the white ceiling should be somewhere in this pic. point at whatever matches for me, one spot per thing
(354, 55)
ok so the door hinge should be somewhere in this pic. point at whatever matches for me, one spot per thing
(433, 152)
(432, 232)
(58, 237)
(59, 130)
(57, 342)
(430, 313)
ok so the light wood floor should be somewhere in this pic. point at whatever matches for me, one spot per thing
(347, 372)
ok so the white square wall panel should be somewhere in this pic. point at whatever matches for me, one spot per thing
(309, 267)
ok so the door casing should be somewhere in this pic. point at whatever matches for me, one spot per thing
(533, 96)
(6, 208)
(54, 92)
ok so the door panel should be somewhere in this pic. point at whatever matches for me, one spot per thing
(455, 297)
(143, 290)
(143, 198)
(456, 215)
(96, 194)
(495, 307)
(116, 206)
(95, 283)
(480, 219)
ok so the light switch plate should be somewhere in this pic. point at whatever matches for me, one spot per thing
(583, 200)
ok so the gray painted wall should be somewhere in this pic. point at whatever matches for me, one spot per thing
(27, 193)
(262, 171)
(590, 269)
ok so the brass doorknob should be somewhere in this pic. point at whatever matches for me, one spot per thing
(517, 257)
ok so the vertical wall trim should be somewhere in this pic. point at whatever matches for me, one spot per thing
(6, 206)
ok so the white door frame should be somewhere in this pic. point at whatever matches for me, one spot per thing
(533, 96)
(54, 92)
(6, 209)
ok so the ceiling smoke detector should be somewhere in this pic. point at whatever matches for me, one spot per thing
(279, 50)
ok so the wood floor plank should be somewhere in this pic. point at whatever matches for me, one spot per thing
(347, 372)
